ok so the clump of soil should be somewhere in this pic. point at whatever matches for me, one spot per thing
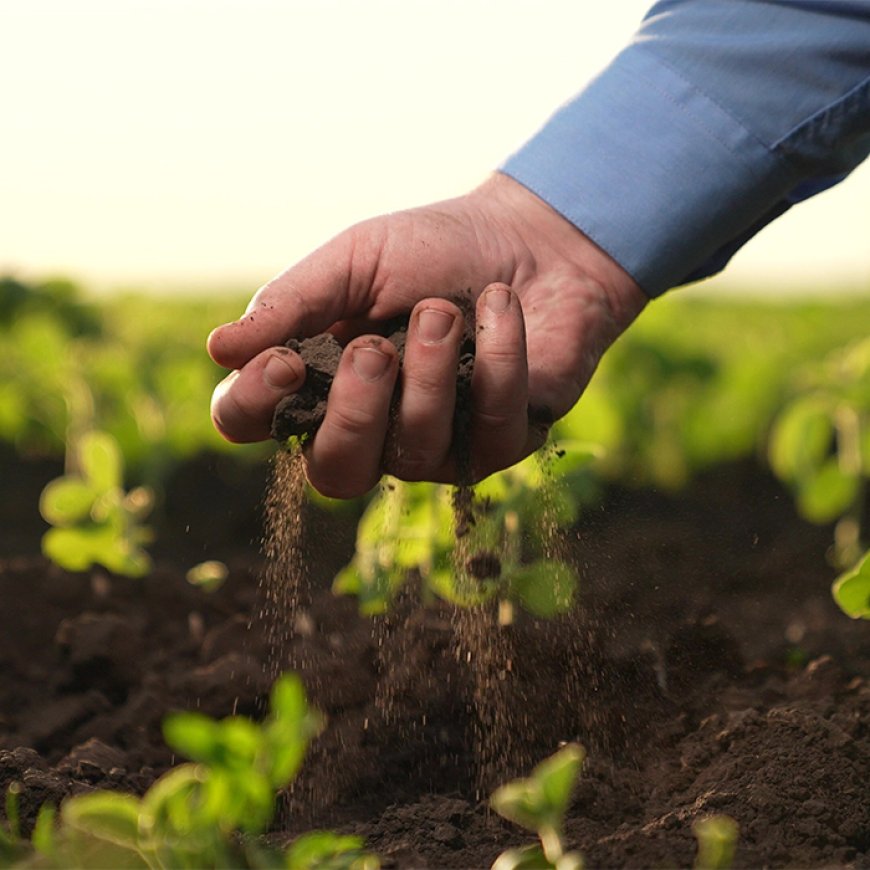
(300, 414)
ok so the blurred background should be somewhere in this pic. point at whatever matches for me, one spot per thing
(163, 158)
(185, 145)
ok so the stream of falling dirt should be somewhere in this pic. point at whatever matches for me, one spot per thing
(284, 583)
(483, 647)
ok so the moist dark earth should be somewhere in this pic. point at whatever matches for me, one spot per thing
(706, 670)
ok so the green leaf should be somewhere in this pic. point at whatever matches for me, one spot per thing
(540, 801)
(827, 494)
(545, 588)
(209, 575)
(43, 837)
(717, 839)
(558, 775)
(291, 725)
(325, 850)
(75, 549)
(852, 590)
(167, 807)
(100, 461)
(801, 438)
(66, 501)
(287, 699)
(79, 548)
(373, 587)
(194, 735)
(526, 858)
(102, 830)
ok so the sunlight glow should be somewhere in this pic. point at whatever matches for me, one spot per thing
(181, 142)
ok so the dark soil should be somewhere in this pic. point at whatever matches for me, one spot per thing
(300, 414)
(707, 671)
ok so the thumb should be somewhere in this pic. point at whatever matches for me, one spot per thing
(305, 299)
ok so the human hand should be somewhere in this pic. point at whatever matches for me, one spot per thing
(548, 304)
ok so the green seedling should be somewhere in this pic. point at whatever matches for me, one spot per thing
(717, 840)
(95, 521)
(15, 849)
(539, 804)
(820, 445)
(202, 814)
(208, 576)
(407, 530)
(852, 590)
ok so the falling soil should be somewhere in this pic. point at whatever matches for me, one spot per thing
(480, 644)
(720, 677)
(284, 583)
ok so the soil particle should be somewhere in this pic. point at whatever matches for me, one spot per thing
(92, 760)
(484, 565)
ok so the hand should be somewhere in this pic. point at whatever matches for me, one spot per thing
(548, 302)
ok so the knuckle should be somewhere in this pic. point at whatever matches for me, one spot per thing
(413, 466)
(495, 420)
(350, 420)
(425, 383)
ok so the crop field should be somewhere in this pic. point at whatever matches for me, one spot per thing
(648, 646)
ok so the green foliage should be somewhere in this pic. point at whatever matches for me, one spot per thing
(820, 444)
(717, 840)
(539, 803)
(134, 367)
(852, 590)
(14, 848)
(697, 381)
(94, 519)
(324, 850)
(56, 297)
(407, 530)
(196, 814)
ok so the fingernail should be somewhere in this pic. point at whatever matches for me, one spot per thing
(433, 325)
(369, 363)
(497, 300)
(278, 373)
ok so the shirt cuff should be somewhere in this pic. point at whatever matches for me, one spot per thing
(657, 174)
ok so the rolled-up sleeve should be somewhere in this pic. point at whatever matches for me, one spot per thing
(713, 121)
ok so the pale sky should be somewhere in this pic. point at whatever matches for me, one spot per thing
(189, 143)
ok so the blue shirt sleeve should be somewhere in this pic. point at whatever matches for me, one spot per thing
(713, 121)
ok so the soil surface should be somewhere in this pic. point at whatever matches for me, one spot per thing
(707, 670)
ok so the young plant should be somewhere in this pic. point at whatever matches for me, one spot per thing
(539, 804)
(407, 530)
(717, 840)
(852, 590)
(95, 521)
(14, 847)
(820, 446)
(202, 814)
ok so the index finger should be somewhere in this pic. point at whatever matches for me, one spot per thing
(305, 299)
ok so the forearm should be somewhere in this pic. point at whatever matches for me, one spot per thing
(712, 122)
